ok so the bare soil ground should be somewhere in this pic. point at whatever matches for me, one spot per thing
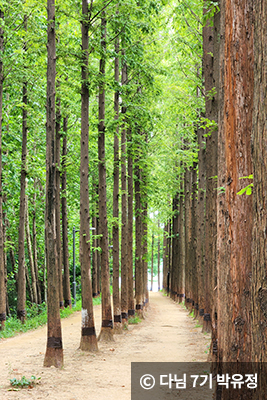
(167, 334)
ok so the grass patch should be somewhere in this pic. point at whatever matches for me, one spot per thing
(37, 316)
(24, 382)
(134, 320)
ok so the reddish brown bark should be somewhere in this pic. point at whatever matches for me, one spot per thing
(234, 214)
(21, 302)
(54, 349)
(259, 256)
(107, 323)
(124, 239)
(64, 218)
(88, 334)
(115, 228)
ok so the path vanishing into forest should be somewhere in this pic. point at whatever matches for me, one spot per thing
(166, 334)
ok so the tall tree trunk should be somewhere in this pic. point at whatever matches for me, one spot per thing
(175, 248)
(54, 349)
(234, 220)
(131, 310)
(58, 222)
(200, 245)
(138, 243)
(159, 257)
(194, 281)
(115, 228)
(88, 334)
(152, 262)
(2, 265)
(144, 245)
(34, 245)
(94, 260)
(64, 213)
(259, 256)
(181, 259)
(21, 302)
(124, 239)
(165, 255)
(187, 225)
(30, 255)
(107, 323)
(211, 172)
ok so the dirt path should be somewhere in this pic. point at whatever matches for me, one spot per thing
(167, 334)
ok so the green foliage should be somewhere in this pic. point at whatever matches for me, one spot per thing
(24, 382)
(248, 188)
(134, 320)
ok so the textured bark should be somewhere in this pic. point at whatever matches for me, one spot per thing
(181, 260)
(30, 254)
(144, 251)
(107, 323)
(234, 215)
(64, 218)
(138, 243)
(193, 237)
(21, 302)
(88, 334)
(259, 255)
(211, 112)
(58, 222)
(187, 225)
(94, 260)
(200, 249)
(115, 228)
(34, 244)
(131, 309)
(175, 249)
(54, 349)
(124, 239)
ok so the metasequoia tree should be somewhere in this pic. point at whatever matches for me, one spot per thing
(124, 241)
(115, 228)
(259, 256)
(131, 310)
(65, 246)
(2, 266)
(107, 323)
(21, 302)
(234, 215)
(88, 334)
(54, 349)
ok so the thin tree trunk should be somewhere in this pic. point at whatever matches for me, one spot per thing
(124, 241)
(159, 258)
(58, 222)
(64, 213)
(181, 259)
(144, 256)
(34, 245)
(152, 261)
(131, 308)
(165, 256)
(107, 323)
(88, 334)
(21, 302)
(115, 228)
(54, 349)
(30, 255)
(175, 248)
(2, 265)
(138, 243)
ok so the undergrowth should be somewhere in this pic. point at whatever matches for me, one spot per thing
(36, 316)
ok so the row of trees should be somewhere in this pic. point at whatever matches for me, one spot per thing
(120, 69)
(217, 254)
